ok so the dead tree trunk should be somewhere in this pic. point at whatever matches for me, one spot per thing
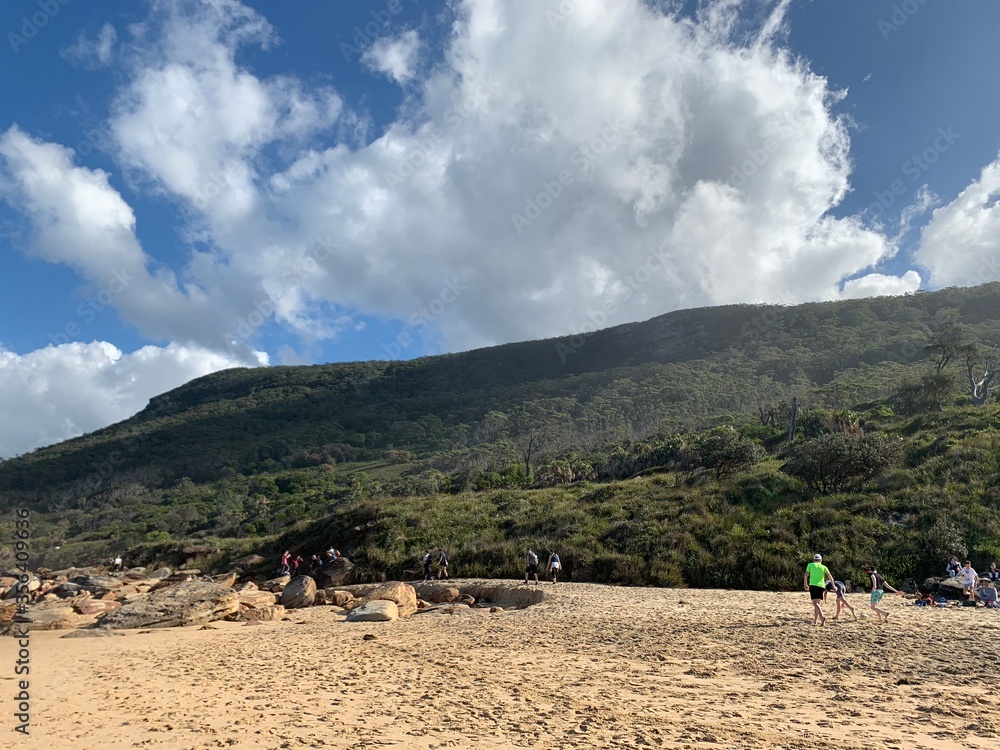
(791, 420)
(982, 388)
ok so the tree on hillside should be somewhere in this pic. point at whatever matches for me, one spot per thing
(727, 452)
(536, 427)
(951, 341)
(925, 395)
(836, 461)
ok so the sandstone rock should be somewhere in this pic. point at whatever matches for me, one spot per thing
(67, 589)
(48, 618)
(33, 584)
(136, 574)
(930, 585)
(377, 610)
(338, 598)
(229, 579)
(97, 584)
(445, 596)
(300, 592)
(6, 582)
(256, 599)
(96, 606)
(423, 604)
(320, 597)
(495, 610)
(467, 599)
(7, 612)
(160, 573)
(336, 574)
(91, 633)
(276, 584)
(180, 576)
(272, 613)
(402, 594)
(248, 586)
(188, 603)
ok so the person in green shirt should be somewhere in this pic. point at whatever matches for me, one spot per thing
(814, 581)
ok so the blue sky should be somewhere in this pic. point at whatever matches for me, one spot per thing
(187, 186)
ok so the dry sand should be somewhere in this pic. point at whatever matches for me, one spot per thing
(590, 667)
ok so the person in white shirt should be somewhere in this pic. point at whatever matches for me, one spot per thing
(969, 578)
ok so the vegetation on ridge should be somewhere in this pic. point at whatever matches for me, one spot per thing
(653, 453)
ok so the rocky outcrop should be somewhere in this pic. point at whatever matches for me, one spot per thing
(98, 585)
(62, 617)
(300, 592)
(951, 588)
(256, 599)
(276, 584)
(377, 610)
(445, 595)
(188, 603)
(264, 614)
(337, 573)
(338, 598)
(92, 607)
(401, 594)
(246, 562)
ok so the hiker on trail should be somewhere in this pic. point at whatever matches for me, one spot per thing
(442, 564)
(969, 578)
(814, 581)
(554, 565)
(118, 563)
(531, 560)
(878, 589)
(841, 588)
(427, 565)
(285, 567)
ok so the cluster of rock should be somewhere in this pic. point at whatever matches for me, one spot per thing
(92, 598)
(949, 588)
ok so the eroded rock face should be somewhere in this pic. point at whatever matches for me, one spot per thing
(377, 610)
(264, 614)
(257, 599)
(446, 595)
(402, 594)
(60, 617)
(96, 606)
(300, 592)
(189, 603)
(339, 598)
(276, 584)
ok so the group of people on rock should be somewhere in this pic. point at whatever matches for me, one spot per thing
(975, 587)
(819, 581)
(293, 566)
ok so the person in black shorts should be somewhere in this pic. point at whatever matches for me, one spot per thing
(531, 568)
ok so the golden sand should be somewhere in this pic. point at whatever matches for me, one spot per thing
(590, 667)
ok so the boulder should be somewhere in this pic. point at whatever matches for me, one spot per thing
(227, 578)
(402, 594)
(256, 599)
(96, 606)
(276, 584)
(97, 584)
(467, 599)
(248, 586)
(180, 576)
(338, 598)
(445, 595)
(377, 610)
(136, 574)
(189, 603)
(930, 585)
(337, 573)
(33, 584)
(951, 588)
(67, 589)
(272, 613)
(300, 592)
(160, 573)
(48, 618)
(6, 582)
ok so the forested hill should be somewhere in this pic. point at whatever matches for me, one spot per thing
(680, 371)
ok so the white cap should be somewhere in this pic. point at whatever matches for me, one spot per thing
(817, 557)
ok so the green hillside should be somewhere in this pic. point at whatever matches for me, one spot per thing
(601, 444)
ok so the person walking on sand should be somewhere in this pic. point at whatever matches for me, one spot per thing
(442, 564)
(841, 588)
(878, 589)
(969, 578)
(554, 565)
(427, 565)
(531, 568)
(814, 581)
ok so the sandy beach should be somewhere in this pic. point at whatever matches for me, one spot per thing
(589, 667)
